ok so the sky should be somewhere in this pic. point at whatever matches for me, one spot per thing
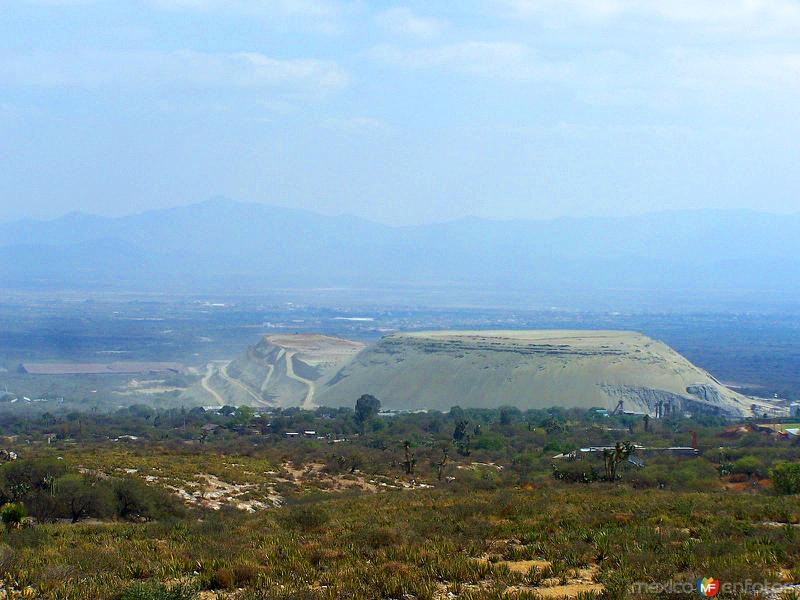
(400, 112)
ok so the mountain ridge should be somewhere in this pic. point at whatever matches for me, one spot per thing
(221, 244)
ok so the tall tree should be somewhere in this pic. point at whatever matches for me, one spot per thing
(440, 465)
(367, 407)
(613, 457)
(410, 460)
(81, 497)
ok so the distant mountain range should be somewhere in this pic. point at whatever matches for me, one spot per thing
(221, 246)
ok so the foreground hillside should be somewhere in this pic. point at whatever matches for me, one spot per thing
(530, 369)
(434, 545)
(427, 506)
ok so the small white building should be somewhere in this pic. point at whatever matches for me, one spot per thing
(794, 409)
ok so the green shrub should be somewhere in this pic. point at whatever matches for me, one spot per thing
(135, 500)
(490, 441)
(157, 591)
(376, 537)
(228, 578)
(222, 579)
(81, 497)
(692, 474)
(786, 478)
(307, 517)
(279, 594)
(244, 574)
(24, 480)
(576, 472)
(12, 515)
(750, 466)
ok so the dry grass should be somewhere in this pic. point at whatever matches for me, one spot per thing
(557, 540)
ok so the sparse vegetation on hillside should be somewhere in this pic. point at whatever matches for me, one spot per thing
(380, 507)
(424, 545)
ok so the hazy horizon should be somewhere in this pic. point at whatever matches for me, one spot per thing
(377, 221)
(400, 112)
(444, 221)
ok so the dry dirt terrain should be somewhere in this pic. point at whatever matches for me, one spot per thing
(287, 370)
(529, 369)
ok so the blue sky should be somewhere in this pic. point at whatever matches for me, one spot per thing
(400, 112)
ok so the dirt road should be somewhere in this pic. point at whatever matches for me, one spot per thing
(308, 402)
(207, 387)
(224, 373)
(270, 371)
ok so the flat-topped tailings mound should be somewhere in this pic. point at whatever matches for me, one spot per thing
(529, 369)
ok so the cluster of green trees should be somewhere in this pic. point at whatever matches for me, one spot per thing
(47, 490)
(429, 444)
(786, 477)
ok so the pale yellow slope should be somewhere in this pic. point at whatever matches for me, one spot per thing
(528, 369)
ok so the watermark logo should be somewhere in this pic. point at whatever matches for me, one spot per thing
(708, 587)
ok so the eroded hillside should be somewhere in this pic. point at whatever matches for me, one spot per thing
(286, 370)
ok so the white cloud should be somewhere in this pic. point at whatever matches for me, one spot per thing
(669, 79)
(501, 60)
(714, 71)
(318, 8)
(688, 78)
(322, 15)
(400, 20)
(755, 17)
(561, 9)
(169, 69)
(57, 3)
(326, 16)
(356, 124)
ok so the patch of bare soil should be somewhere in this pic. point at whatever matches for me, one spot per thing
(147, 386)
(524, 566)
(475, 466)
(315, 475)
(570, 585)
(577, 586)
(209, 491)
(581, 582)
(215, 595)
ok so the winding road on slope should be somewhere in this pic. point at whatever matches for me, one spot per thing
(207, 387)
(224, 373)
(270, 371)
(308, 402)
